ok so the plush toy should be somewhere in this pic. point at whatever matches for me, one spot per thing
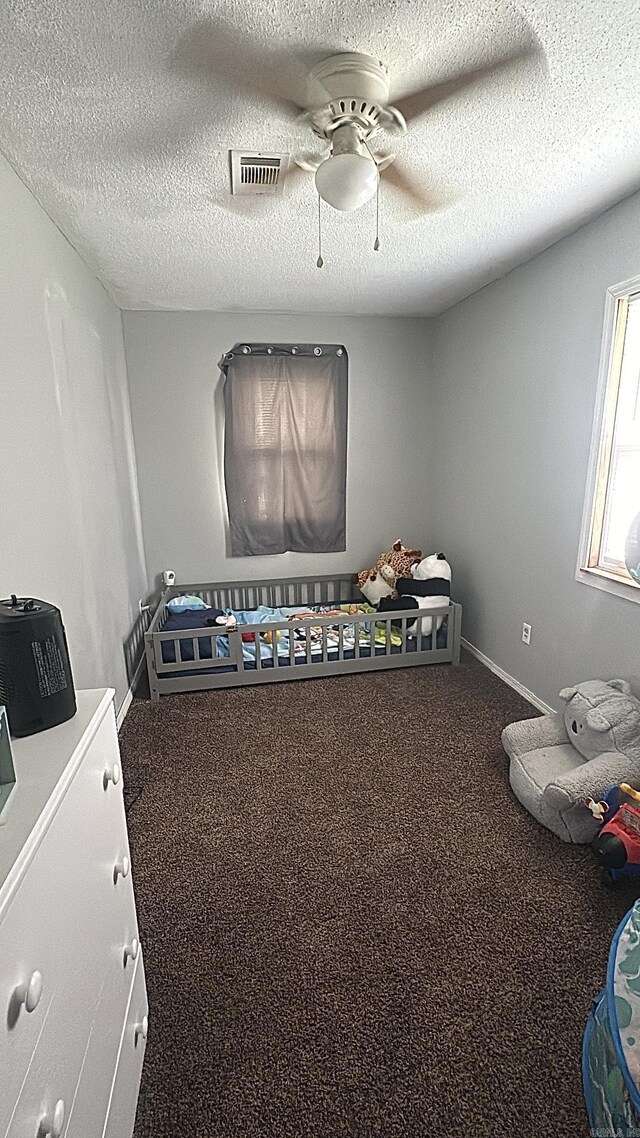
(228, 621)
(380, 580)
(603, 717)
(429, 588)
(559, 760)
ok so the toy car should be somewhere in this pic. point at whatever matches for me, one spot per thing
(617, 846)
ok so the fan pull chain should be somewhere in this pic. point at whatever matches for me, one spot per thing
(376, 243)
(319, 262)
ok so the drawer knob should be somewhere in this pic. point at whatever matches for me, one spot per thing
(29, 994)
(142, 1028)
(112, 774)
(53, 1124)
(131, 950)
(121, 868)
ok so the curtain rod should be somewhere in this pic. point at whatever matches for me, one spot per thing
(285, 350)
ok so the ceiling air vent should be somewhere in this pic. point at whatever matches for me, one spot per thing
(257, 173)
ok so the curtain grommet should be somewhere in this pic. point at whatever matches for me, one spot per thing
(247, 350)
(294, 351)
(317, 351)
(339, 352)
(269, 351)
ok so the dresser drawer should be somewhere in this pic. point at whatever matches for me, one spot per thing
(54, 1069)
(23, 968)
(45, 934)
(87, 1086)
(126, 1084)
(96, 805)
(93, 1093)
(64, 936)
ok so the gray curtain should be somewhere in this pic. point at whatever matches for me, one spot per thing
(285, 448)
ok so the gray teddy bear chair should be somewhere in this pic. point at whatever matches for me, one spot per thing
(558, 761)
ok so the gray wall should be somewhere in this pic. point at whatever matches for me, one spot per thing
(172, 363)
(70, 528)
(515, 373)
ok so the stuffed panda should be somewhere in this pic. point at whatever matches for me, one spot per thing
(429, 588)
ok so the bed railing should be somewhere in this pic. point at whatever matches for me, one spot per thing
(248, 595)
(373, 643)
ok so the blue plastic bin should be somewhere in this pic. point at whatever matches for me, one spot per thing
(611, 1046)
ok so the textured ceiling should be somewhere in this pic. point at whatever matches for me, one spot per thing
(119, 115)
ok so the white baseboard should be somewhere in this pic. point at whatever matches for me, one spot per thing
(128, 699)
(513, 683)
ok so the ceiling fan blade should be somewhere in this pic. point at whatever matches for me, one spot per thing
(250, 207)
(422, 200)
(298, 179)
(211, 50)
(418, 103)
(309, 160)
(382, 160)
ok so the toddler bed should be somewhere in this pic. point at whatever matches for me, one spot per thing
(291, 629)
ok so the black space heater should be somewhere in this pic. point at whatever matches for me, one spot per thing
(36, 685)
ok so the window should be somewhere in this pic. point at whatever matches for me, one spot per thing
(285, 448)
(613, 498)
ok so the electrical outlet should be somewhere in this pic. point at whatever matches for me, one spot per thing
(526, 634)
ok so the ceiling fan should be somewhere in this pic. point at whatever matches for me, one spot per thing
(345, 100)
(357, 110)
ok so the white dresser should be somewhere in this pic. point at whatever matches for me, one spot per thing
(73, 1015)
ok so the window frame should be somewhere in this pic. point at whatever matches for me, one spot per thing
(619, 583)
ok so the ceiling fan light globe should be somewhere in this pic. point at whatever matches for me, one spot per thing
(347, 181)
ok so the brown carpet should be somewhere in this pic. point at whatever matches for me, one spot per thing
(351, 928)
